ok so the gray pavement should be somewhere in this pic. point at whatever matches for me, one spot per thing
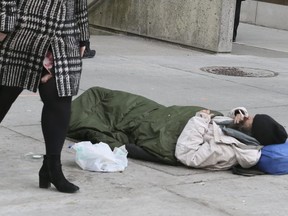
(169, 74)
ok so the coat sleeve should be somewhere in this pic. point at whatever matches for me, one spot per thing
(8, 15)
(191, 147)
(82, 19)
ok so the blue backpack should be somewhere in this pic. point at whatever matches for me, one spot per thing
(274, 159)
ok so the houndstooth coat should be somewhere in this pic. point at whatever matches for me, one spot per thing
(33, 26)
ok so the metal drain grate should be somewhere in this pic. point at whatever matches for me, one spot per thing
(239, 71)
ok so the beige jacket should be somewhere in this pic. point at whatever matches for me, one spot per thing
(202, 144)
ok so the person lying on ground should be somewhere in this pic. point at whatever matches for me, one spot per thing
(206, 143)
(151, 131)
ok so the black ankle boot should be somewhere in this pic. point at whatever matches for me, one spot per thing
(51, 172)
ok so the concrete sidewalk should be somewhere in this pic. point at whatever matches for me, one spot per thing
(168, 74)
(261, 41)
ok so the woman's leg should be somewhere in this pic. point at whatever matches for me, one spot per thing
(55, 117)
(54, 121)
(7, 97)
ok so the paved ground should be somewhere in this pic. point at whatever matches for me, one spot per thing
(168, 74)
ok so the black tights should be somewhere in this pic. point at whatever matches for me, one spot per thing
(55, 113)
(7, 97)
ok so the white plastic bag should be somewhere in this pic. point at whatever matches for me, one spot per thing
(99, 157)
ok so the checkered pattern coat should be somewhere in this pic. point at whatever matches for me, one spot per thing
(35, 25)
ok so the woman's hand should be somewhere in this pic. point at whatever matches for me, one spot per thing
(2, 36)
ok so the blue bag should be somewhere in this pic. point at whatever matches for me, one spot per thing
(274, 159)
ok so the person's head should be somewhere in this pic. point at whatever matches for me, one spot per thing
(267, 131)
(263, 128)
(244, 126)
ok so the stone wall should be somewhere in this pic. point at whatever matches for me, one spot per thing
(203, 24)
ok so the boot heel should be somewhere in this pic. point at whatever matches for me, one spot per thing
(44, 182)
(53, 174)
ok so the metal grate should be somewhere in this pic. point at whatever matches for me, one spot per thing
(239, 71)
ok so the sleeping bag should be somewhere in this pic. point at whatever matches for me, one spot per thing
(117, 118)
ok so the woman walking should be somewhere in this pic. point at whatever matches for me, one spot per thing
(41, 47)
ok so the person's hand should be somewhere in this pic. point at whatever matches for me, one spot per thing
(2, 36)
(208, 112)
(82, 49)
(46, 77)
(239, 118)
(205, 111)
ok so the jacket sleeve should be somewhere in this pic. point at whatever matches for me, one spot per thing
(191, 147)
(82, 20)
(8, 15)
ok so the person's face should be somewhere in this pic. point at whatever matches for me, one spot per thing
(245, 125)
(248, 122)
